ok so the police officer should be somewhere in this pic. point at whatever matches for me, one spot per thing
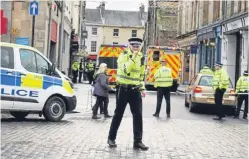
(242, 87)
(75, 69)
(81, 70)
(220, 83)
(90, 68)
(130, 74)
(163, 83)
(206, 70)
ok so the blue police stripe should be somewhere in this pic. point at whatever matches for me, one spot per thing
(7, 79)
(18, 79)
(50, 81)
(57, 82)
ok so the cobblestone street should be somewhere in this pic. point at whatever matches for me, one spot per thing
(78, 136)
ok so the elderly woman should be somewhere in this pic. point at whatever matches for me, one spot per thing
(101, 91)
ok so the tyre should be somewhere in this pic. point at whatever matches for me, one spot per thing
(191, 106)
(54, 109)
(19, 115)
(186, 103)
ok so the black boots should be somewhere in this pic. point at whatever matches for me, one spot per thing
(107, 116)
(156, 115)
(95, 117)
(111, 143)
(140, 145)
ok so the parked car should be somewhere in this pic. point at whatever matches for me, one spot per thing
(199, 92)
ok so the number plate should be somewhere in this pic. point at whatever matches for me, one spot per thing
(210, 100)
(198, 95)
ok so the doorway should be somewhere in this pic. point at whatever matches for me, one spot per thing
(238, 56)
(52, 54)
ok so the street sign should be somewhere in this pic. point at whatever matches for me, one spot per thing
(33, 8)
(22, 41)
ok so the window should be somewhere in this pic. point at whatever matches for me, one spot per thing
(34, 62)
(110, 61)
(134, 33)
(28, 60)
(115, 43)
(42, 65)
(193, 80)
(93, 46)
(206, 81)
(7, 57)
(156, 55)
(94, 31)
(115, 32)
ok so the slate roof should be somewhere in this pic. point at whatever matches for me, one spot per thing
(114, 17)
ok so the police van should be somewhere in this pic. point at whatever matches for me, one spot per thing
(31, 83)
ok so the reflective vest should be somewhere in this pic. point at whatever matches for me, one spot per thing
(242, 84)
(75, 66)
(206, 70)
(90, 66)
(220, 80)
(163, 77)
(130, 71)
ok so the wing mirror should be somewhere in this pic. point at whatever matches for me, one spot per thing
(52, 70)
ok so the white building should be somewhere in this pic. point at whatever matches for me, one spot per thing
(235, 46)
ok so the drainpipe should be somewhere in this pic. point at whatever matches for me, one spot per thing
(60, 55)
(49, 28)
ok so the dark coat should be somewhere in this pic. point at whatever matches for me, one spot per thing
(101, 87)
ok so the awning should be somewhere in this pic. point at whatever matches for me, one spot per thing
(92, 57)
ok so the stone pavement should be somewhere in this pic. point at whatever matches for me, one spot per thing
(80, 137)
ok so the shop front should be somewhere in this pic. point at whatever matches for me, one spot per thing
(235, 46)
(209, 46)
(188, 58)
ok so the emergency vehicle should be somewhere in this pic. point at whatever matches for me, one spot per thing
(152, 61)
(109, 54)
(31, 83)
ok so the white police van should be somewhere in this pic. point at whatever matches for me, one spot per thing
(31, 83)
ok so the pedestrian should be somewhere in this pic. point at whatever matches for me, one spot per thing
(206, 70)
(220, 83)
(130, 74)
(102, 104)
(90, 69)
(75, 70)
(163, 83)
(242, 87)
(101, 91)
(80, 70)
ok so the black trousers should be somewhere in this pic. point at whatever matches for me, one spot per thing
(163, 92)
(100, 100)
(241, 99)
(80, 76)
(90, 77)
(75, 75)
(133, 97)
(218, 97)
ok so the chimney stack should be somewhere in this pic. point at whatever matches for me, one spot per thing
(102, 8)
(141, 10)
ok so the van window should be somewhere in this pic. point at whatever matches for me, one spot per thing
(110, 61)
(33, 62)
(28, 60)
(7, 57)
(156, 55)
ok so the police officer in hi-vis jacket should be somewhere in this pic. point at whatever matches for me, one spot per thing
(130, 75)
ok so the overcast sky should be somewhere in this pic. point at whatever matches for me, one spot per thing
(129, 5)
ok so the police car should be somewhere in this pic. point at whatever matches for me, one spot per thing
(31, 83)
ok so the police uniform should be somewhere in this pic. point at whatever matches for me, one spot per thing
(220, 83)
(80, 70)
(163, 83)
(206, 70)
(242, 87)
(90, 67)
(75, 69)
(130, 74)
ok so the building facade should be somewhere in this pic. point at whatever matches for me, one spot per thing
(220, 29)
(112, 27)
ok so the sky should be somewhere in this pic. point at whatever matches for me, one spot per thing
(128, 5)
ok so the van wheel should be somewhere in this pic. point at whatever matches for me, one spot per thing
(19, 115)
(54, 109)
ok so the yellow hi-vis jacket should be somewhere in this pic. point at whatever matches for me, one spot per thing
(130, 71)
(75, 66)
(163, 77)
(206, 70)
(242, 84)
(220, 79)
(90, 66)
